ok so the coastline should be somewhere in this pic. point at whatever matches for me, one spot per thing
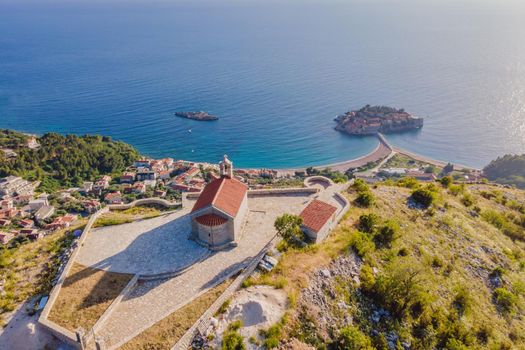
(383, 150)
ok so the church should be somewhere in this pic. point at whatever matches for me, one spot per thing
(220, 211)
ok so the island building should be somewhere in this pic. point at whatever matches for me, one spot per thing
(318, 219)
(220, 211)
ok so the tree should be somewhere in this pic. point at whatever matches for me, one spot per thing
(288, 226)
(423, 196)
(368, 222)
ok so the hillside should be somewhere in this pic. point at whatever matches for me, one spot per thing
(450, 276)
(509, 170)
(59, 161)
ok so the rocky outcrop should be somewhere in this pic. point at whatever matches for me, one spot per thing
(204, 116)
(371, 120)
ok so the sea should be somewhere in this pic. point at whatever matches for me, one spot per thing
(275, 72)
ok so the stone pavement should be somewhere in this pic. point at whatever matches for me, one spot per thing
(151, 301)
(150, 246)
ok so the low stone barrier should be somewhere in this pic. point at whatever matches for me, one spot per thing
(145, 201)
(279, 191)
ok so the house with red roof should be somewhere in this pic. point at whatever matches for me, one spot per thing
(318, 219)
(220, 210)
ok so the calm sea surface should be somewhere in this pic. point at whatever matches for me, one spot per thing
(275, 72)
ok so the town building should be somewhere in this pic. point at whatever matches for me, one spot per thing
(38, 203)
(5, 237)
(44, 212)
(127, 178)
(318, 219)
(13, 185)
(219, 212)
(113, 198)
(421, 176)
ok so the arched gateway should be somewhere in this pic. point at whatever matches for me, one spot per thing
(218, 214)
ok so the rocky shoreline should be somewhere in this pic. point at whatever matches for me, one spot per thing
(371, 120)
(202, 116)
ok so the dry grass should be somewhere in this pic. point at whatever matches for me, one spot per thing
(85, 295)
(118, 217)
(164, 334)
(469, 248)
(28, 269)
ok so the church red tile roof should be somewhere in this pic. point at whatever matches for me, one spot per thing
(316, 214)
(211, 220)
(225, 194)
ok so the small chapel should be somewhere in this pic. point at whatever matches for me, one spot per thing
(220, 210)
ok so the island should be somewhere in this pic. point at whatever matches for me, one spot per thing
(371, 120)
(202, 116)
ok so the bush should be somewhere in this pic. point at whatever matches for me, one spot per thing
(368, 222)
(467, 200)
(446, 181)
(362, 244)
(399, 289)
(506, 300)
(360, 186)
(424, 197)
(462, 301)
(365, 199)
(351, 338)
(232, 340)
(387, 233)
(367, 278)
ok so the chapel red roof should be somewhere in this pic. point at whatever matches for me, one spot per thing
(225, 194)
(316, 214)
(211, 220)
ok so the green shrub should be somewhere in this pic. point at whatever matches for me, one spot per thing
(288, 226)
(360, 186)
(351, 338)
(362, 244)
(408, 182)
(506, 300)
(368, 222)
(367, 278)
(365, 199)
(402, 251)
(387, 233)
(446, 181)
(467, 200)
(462, 300)
(455, 189)
(232, 340)
(424, 197)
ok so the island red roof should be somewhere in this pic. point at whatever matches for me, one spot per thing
(316, 214)
(211, 220)
(225, 194)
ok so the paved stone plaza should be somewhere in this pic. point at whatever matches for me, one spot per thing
(145, 247)
(160, 244)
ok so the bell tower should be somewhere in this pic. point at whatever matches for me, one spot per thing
(226, 167)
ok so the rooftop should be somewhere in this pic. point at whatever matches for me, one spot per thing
(225, 194)
(316, 214)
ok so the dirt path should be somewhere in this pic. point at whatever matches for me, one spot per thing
(24, 333)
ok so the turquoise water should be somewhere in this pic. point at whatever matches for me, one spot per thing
(276, 73)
